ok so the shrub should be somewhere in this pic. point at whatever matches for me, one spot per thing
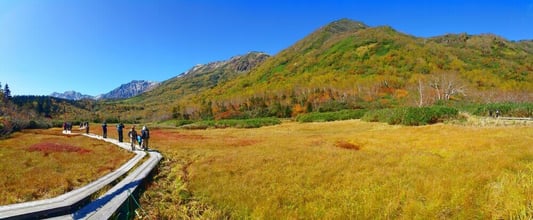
(183, 122)
(331, 116)
(378, 115)
(411, 115)
(506, 109)
(195, 126)
(235, 123)
(33, 124)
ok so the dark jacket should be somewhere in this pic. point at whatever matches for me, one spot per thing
(145, 134)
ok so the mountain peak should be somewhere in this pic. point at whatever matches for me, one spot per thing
(71, 95)
(130, 89)
(344, 25)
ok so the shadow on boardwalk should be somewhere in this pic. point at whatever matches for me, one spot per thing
(96, 204)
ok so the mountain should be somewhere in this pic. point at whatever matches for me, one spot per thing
(206, 76)
(129, 90)
(344, 64)
(71, 95)
(162, 102)
(347, 64)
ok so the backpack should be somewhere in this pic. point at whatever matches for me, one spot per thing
(146, 134)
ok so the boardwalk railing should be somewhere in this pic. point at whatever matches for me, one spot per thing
(76, 204)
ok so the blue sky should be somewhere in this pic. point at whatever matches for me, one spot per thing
(94, 46)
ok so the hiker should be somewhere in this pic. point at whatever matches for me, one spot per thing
(133, 137)
(139, 141)
(69, 127)
(104, 129)
(497, 113)
(86, 127)
(145, 135)
(120, 126)
(64, 127)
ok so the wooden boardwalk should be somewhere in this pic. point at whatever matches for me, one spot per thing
(76, 204)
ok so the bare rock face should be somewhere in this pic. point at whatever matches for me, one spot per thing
(128, 90)
(71, 95)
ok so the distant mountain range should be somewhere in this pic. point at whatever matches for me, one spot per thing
(71, 95)
(124, 91)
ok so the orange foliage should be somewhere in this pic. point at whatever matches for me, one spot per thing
(297, 109)
(401, 93)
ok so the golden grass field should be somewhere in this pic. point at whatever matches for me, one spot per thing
(334, 170)
(40, 164)
(314, 171)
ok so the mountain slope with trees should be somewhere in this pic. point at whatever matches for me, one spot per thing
(347, 64)
(161, 103)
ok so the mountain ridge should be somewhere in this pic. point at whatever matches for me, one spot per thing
(127, 90)
(71, 95)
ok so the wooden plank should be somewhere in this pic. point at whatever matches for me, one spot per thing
(105, 206)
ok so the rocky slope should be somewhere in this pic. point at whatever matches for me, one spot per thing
(71, 95)
(129, 90)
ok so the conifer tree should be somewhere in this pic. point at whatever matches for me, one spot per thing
(7, 92)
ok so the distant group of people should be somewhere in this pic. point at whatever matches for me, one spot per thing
(135, 138)
(67, 127)
(140, 139)
(495, 114)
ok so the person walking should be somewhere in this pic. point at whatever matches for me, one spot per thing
(104, 130)
(145, 135)
(86, 127)
(120, 127)
(133, 137)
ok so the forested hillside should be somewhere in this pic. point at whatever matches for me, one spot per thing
(347, 64)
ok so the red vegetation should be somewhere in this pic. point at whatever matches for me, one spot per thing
(54, 147)
(347, 145)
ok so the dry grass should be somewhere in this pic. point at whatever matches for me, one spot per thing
(40, 164)
(296, 171)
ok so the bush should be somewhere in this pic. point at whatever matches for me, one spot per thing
(195, 126)
(378, 115)
(411, 115)
(235, 123)
(506, 109)
(38, 124)
(331, 116)
(183, 122)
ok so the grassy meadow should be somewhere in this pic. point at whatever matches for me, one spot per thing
(40, 164)
(343, 170)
